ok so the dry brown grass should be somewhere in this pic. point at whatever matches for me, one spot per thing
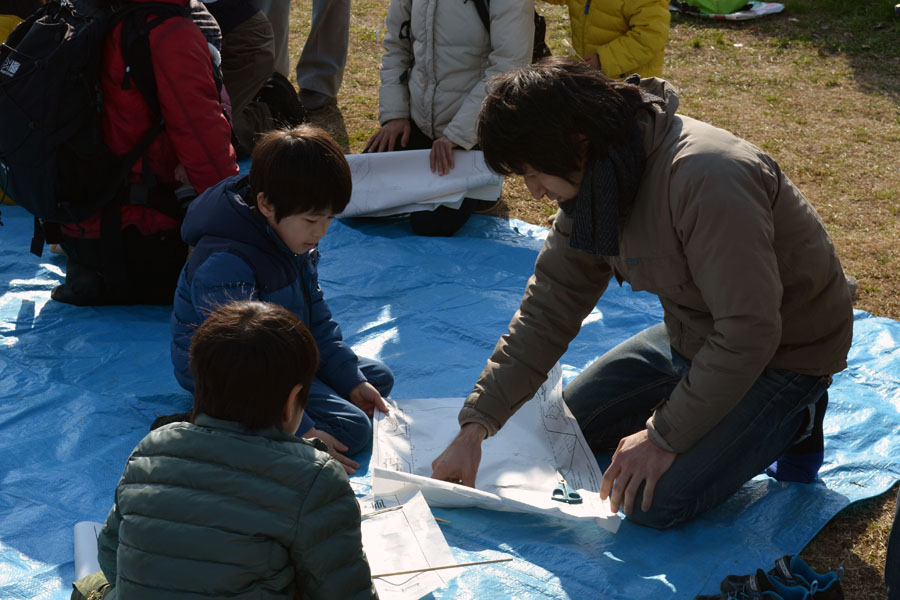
(817, 90)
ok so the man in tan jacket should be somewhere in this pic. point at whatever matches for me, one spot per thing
(757, 310)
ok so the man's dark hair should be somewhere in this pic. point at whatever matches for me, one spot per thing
(300, 170)
(554, 116)
(246, 358)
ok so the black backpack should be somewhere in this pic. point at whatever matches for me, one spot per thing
(51, 138)
(540, 49)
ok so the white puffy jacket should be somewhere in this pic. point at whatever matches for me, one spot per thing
(436, 74)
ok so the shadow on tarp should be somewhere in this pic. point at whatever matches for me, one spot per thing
(80, 386)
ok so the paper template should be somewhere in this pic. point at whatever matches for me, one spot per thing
(391, 183)
(404, 540)
(519, 466)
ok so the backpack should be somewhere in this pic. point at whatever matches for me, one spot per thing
(540, 49)
(51, 137)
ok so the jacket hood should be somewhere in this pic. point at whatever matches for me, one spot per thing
(654, 120)
(222, 212)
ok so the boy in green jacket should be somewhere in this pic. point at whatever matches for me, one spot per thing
(232, 504)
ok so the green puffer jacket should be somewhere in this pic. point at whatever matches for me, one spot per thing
(207, 510)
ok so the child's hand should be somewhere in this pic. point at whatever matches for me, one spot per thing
(386, 138)
(334, 449)
(592, 61)
(441, 156)
(366, 398)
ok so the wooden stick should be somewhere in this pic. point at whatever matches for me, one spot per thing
(468, 564)
(442, 520)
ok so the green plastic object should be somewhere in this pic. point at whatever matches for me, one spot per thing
(717, 7)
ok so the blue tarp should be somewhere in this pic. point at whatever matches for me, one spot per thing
(80, 386)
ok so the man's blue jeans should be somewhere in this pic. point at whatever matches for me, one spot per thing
(615, 396)
(341, 418)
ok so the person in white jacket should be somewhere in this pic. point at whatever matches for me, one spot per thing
(438, 55)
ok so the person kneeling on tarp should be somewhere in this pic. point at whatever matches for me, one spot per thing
(256, 238)
(757, 310)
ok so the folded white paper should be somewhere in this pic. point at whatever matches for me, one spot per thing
(520, 466)
(392, 183)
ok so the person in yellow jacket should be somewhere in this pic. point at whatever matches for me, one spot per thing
(7, 24)
(620, 37)
(13, 12)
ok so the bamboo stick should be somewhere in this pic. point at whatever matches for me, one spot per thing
(468, 564)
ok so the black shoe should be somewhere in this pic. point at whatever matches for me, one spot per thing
(314, 101)
(790, 573)
(280, 96)
(757, 587)
(83, 287)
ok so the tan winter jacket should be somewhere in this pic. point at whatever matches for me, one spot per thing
(436, 75)
(746, 274)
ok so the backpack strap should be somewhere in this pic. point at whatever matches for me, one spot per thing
(483, 12)
(135, 43)
(539, 49)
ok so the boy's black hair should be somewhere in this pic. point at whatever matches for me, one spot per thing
(554, 116)
(246, 358)
(300, 170)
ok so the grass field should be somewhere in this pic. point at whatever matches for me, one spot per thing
(818, 88)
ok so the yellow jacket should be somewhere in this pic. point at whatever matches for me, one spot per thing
(7, 24)
(629, 36)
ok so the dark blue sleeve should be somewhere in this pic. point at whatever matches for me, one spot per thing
(338, 365)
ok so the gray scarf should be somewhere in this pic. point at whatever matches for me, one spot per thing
(607, 191)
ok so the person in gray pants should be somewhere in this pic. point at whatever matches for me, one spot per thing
(320, 68)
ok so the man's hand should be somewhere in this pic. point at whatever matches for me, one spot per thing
(386, 138)
(441, 156)
(335, 448)
(459, 462)
(592, 60)
(637, 460)
(367, 399)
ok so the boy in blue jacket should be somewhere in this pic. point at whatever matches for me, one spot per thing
(233, 505)
(255, 238)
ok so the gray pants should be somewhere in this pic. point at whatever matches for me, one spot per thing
(321, 64)
(248, 57)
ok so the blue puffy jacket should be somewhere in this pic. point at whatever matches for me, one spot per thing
(237, 256)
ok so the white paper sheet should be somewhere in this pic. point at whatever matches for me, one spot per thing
(519, 466)
(86, 533)
(392, 183)
(403, 540)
